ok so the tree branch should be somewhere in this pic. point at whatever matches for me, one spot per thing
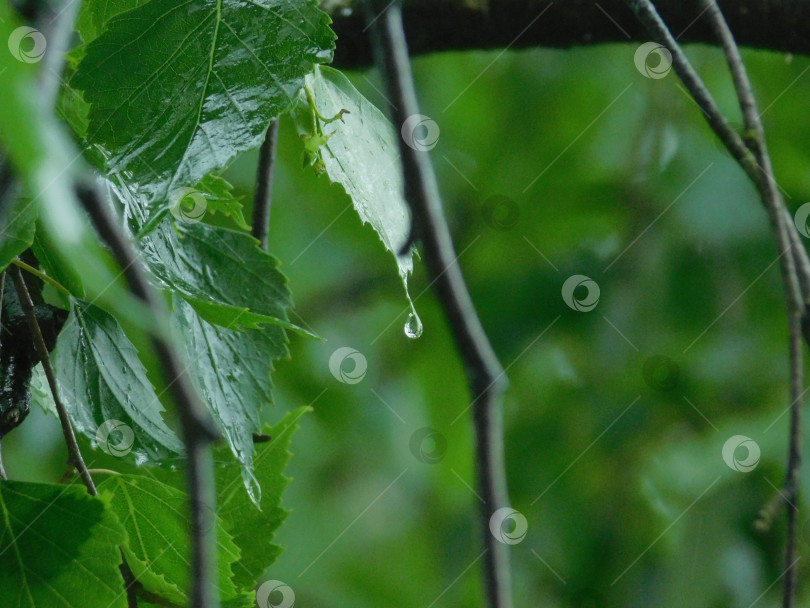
(130, 582)
(3, 474)
(74, 453)
(486, 377)
(264, 185)
(791, 483)
(445, 25)
(197, 426)
(752, 155)
(739, 150)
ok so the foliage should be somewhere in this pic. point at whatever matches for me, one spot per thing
(169, 102)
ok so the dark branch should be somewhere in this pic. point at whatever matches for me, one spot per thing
(74, 453)
(130, 582)
(739, 149)
(791, 484)
(752, 155)
(3, 474)
(264, 185)
(486, 377)
(444, 25)
(197, 426)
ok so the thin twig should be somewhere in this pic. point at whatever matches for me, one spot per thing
(791, 483)
(130, 582)
(772, 199)
(41, 275)
(198, 428)
(3, 474)
(649, 17)
(766, 183)
(752, 155)
(739, 150)
(74, 453)
(486, 377)
(264, 185)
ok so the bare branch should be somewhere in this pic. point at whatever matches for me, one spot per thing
(752, 155)
(74, 453)
(486, 377)
(130, 582)
(791, 484)
(197, 426)
(3, 474)
(264, 185)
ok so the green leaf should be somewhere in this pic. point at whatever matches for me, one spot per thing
(95, 14)
(253, 530)
(53, 265)
(220, 198)
(45, 162)
(155, 516)
(223, 273)
(18, 230)
(59, 547)
(213, 194)
(173, 100)
(232, 370)
(40, 391)
(102, 379)
(360, 152)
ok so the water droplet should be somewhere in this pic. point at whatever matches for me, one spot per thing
(413, 326)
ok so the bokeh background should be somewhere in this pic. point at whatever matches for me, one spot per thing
(616, 418)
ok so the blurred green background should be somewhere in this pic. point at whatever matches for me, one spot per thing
(619, 472)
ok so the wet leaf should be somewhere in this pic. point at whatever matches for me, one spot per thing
(178, 89)
(359, 151)
(58, 548)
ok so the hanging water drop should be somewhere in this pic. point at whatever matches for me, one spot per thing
(413, 326)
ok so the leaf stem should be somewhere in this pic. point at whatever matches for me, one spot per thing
(41, 275)
(198, 428)
(74, 453)
(486, 377)
(103, 472)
